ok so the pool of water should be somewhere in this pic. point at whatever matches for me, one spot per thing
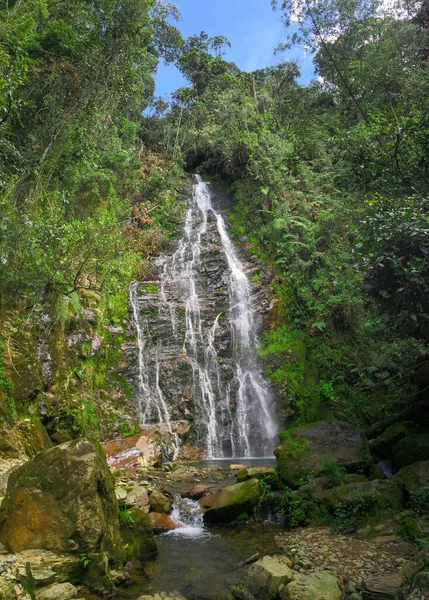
(203, 567)
(226, 462)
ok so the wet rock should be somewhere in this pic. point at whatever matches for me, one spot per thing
(62, 500)
(137, 535)
(197, 492)
(160, 503)
(138, 498)
(305, 450)
(415, 476)
(263, 579)
(237, 467)
(161, 523)
(60, 591)
(322, 585)
(229, 503)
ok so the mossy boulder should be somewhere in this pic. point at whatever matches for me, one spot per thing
(228, 504)
(263, 579)
(384, 443)
(383, 493)
(321, 586)
(415, 476)
(267, 473)
(137, 535)
(160, 503)
(411, 449)
(62, 500)
(305, 451)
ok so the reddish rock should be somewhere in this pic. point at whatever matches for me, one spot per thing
(197, 492)
(162, 523)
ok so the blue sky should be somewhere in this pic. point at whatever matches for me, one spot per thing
(251, 26)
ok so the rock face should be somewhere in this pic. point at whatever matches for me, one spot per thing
(62, 500)
(229, 503)
(305, 450)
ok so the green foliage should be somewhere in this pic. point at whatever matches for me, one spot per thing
(8, 410)
(349, 515)
(335, 472)
(125, 515)
(419, 502)
(298, 509)
(85, 560)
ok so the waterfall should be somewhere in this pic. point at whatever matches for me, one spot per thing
(199, 307)
(188, 514)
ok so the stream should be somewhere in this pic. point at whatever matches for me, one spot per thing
(197, 561)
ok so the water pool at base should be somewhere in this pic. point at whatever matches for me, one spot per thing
(204, 567)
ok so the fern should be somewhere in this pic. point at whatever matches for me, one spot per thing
(63, 309)
(75, 302)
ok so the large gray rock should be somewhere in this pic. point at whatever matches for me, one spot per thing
(62, 500)
(317, 586)
(138, 498)
(305, 450)
(59, 591)
(263, 580)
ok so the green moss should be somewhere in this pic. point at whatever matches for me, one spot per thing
(410, 449)
(151, 288)
(137, 535)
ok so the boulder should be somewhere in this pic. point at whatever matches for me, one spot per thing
(138, 498)
(160, 503)
(263, 579)
(415, 476)
(321, 586)
(306, 450)
(382, 587)
(62, 500)
(229, 503)
(383, 444)
(410, 449)
(137, 535)
(383, 494)
(249, 473)
(197, 492)
(58, 591)
(161, 523)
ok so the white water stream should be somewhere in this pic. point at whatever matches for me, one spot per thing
(236, 418)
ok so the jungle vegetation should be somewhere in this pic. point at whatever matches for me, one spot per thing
(329, 180)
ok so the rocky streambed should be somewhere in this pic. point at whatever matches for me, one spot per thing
(304, 528)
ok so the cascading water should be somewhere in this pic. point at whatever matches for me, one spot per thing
(188, 515)
(197, 342)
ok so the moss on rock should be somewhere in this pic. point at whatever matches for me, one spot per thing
(229, 503)
(137, 535)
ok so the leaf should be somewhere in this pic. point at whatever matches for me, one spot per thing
(75, 302)
(63, 309)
